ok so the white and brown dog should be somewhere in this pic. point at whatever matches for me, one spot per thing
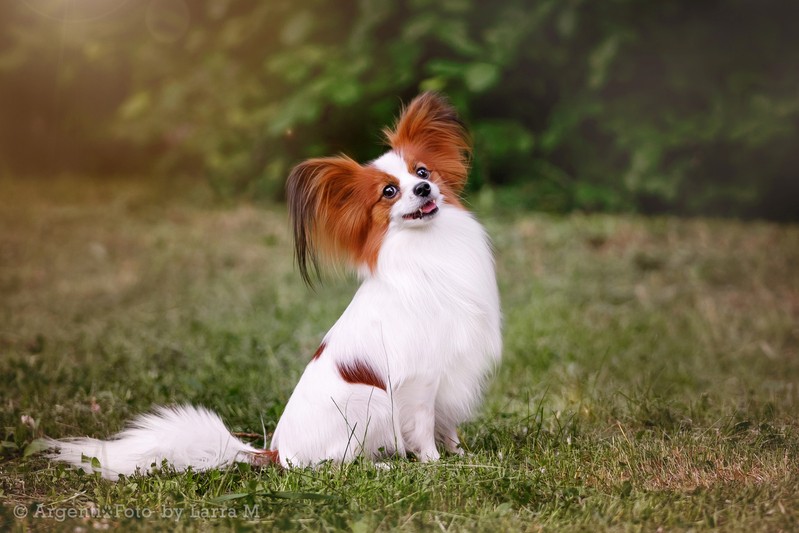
(407, 361)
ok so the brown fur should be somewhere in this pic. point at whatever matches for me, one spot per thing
(265, 458)
(360, 372)
(318, 352)
(430, 131)
(338, 210)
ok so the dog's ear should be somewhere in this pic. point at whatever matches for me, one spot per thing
(323, 199)
(429, 128)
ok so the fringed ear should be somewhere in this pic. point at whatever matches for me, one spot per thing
(321, 195)
(430, 128)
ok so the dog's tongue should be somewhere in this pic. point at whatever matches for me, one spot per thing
(428, 207)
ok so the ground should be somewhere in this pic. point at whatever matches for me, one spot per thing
(650, 377)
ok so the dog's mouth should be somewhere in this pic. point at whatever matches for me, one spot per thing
(426, 210)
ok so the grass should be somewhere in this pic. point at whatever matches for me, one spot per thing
(650, 377)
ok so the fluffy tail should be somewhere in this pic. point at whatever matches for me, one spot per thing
(184, 436)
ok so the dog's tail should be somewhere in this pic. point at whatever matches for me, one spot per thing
(183, 436)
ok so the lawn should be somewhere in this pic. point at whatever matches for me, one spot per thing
(650, 375)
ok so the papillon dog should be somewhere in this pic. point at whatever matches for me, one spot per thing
(407, 361)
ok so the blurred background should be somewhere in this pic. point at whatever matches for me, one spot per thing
(685, 107)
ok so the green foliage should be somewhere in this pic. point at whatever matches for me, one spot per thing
(680, 106)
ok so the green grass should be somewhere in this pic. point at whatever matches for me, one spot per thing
(650, 376)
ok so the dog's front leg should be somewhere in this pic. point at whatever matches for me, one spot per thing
(416, 401)
(447, 434)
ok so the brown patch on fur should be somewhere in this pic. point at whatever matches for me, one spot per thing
(338, 211)
(416, 157)
(359, 372)
(318, 351)
(429, 130)
(265, 458)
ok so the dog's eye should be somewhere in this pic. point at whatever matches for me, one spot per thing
(423, 173)
(390, 191)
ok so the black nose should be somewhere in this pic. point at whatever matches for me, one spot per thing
(422, 189)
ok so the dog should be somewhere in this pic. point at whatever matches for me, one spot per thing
(408, 359)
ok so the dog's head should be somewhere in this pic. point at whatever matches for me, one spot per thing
(341, 209)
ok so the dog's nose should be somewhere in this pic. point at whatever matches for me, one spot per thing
(422, 189)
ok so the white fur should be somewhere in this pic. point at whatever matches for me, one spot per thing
(427, 321)
(184, 436)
